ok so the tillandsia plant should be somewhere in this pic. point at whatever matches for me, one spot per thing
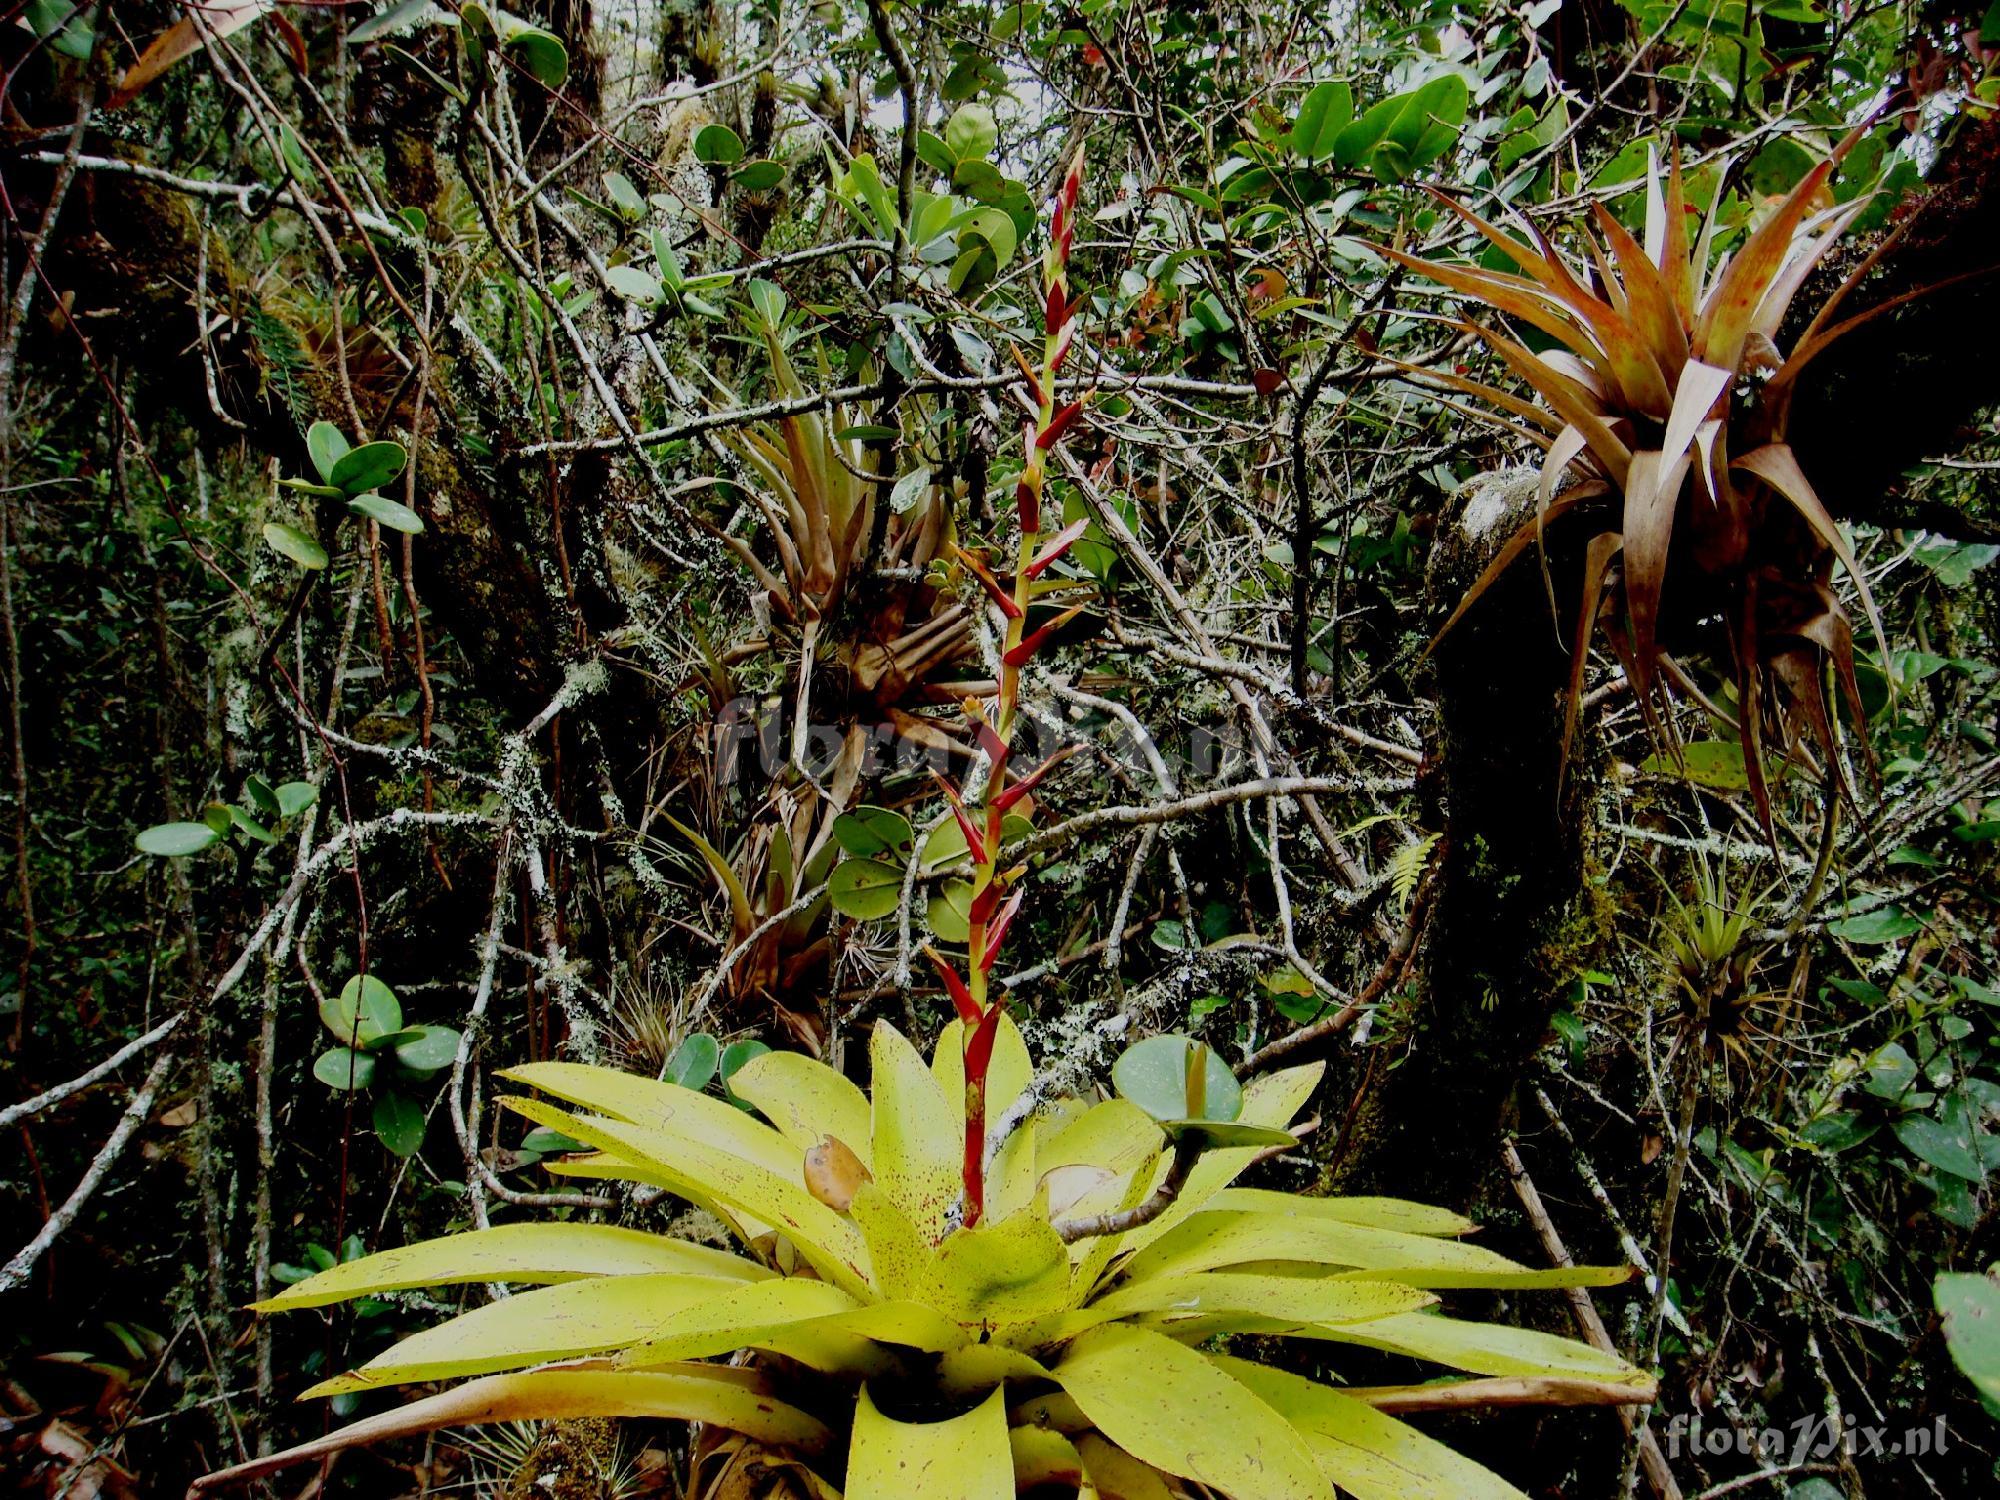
(809, 482)
(1665, 385)
(882, 1349)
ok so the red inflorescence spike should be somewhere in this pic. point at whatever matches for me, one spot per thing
(1060, 423)
(1057, 546)
(983, 905)
(1056, 310)
(1027, 373)
(973, 842)
(1063, 341)
(979, 1051)
(1072, 187)
(1025, 652)
(998, 933)
(961, 997)
(984, 735)
(1015, 791)
(987, 581)
(1028, 506)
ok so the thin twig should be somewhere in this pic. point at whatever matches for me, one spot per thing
(136, 1108)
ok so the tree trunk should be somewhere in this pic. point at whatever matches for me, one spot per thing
(1511, 920)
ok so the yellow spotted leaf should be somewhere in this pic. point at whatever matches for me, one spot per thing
(710, 1175)
(962, 1458)
(1318, 1300)
(665, 1107)
(918, 1134)
(1042, 1457)
(724, 1398)
(1212, 1239)
(904, 1263)
(1488, 1348)
(738, 1318)
(1116, 1474)
(1011, 1174)
(1170, 1407)
(1007, 1271)
(576, 1318)
(1375, 1213)
(806, 1100)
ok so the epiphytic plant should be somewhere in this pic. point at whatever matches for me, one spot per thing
(1665, 384)
(894, 1350)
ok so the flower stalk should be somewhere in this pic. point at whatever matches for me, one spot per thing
(993, 907)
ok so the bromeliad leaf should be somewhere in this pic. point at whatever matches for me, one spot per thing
(516, 1253)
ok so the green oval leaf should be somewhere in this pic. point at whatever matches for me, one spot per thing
(734, 1056)
(399, 1122)
(1441, 103)
(545, 57)
(758, 176)
(624, 197)
(634, 285)
(368, 467)
(970, 133)
(865, 889)
(1888, 924)
(386, 512)
(326, 445)
(363, 1013)
(294, 797)
(1153, 1075)
(870, 831)
(950, 911)
(1970, 1306)
(175, 838)
(1710, 763)
(431, 1050)
(1949, 1150)
(718, 146)
(693, 1063)
(250, 826)
(546, 1142)
(289, 541)
(1325, 111)
(344, 1069)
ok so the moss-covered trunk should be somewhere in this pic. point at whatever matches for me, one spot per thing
(1510, 920)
